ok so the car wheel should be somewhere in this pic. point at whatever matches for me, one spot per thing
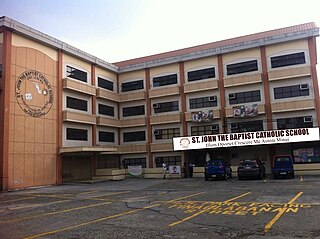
(206, 178)
(225, 176)
(292, 176)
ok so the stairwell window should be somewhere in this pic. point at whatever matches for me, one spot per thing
(133, 111)
(105, 110)
(242, 67)
(134, 136)
(77, 104)
(132, 85)
(77, 74)
(105, 136)
(165, 80)
(105, 84)
(288, 60)
(77, 134)
(201, 74)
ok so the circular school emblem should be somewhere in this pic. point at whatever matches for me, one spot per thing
(184, 142)
(34, 93)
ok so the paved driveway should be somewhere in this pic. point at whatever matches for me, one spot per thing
(171, 208)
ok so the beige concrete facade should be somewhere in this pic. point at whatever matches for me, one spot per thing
(37, 149)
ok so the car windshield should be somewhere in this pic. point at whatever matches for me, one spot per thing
(247, 163)
(215, 163)
(283, 159)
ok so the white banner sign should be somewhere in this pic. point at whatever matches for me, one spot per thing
(135, 170)
(246, 139)
(173, 169)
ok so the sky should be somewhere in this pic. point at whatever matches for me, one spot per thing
(116, 30)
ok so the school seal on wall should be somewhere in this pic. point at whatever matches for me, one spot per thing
(34, 93)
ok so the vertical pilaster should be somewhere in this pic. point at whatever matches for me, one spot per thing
(93, 106)
(149, 126)
(94, 126)
(118, 107)
(5, 110)
(183, 100)
(59, 112)
(265, 81)
(222, 95)
(313, 63)
(183, 108)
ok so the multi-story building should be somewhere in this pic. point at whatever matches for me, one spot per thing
(67, 115)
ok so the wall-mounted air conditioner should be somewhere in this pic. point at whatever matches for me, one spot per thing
(307, 119)
(234, 126)
(215, 127)
(212, 98)
(232, 96)
(304, 86)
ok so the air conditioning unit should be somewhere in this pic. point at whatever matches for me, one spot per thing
(212, 98)
(215, 127)
(232, 96)
(304, 86)
(234, 126)
(156, 106)
(307, 119)
(156, 132)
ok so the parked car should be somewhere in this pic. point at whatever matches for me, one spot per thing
(217, 168)
(251, 168)
(282, 166)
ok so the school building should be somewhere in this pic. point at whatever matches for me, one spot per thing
(66, 115)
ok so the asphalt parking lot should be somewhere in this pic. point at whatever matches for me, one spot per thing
(170, 208)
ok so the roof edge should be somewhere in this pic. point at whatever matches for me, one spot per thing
(224, 46)
(38, 36)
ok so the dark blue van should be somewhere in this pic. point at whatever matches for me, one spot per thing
(217, 168)
(283, 166)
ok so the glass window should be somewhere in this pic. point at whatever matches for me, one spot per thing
(132, 85)
(166, 107)
(201, 74)
(296, 122)
(165, 80)
(250, 126)
(134, 162)
(133, 111)
(105, 84)
(134, 136)
(168, 160)
(105, 136)
(204, 130)
(78, 104)
(76, 74)
(291, 91)
(105, 110)
(77, 134)
(166, 133)
(203, 102)
(242, 67)
(288, 60)
(244, 97)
